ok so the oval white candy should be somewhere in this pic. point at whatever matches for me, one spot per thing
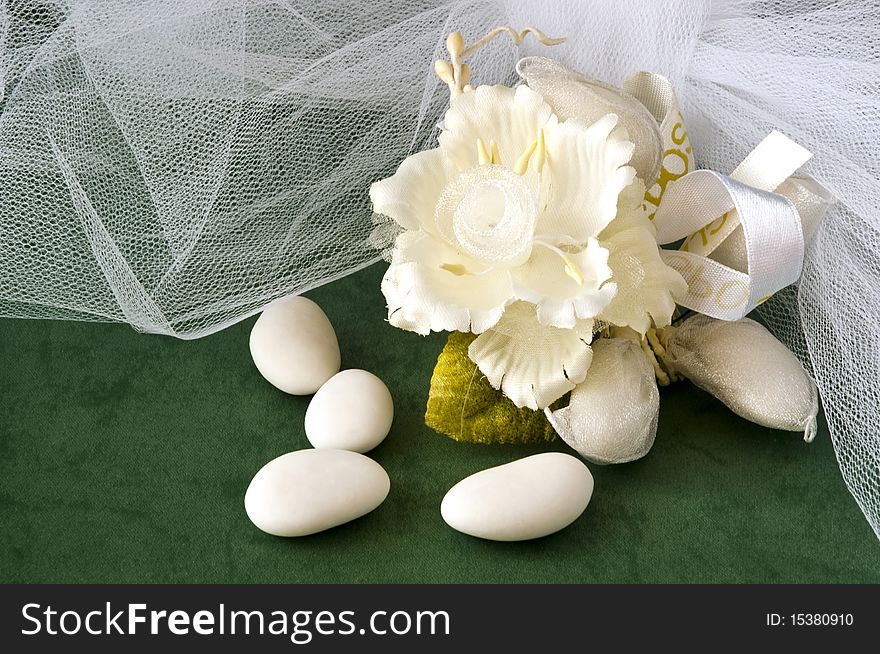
(529, 498)
(353, 411)
(308, 491)
(294, 346)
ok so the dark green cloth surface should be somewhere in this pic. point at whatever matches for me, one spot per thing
(125, 457)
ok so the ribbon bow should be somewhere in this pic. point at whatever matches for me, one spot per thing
(754, 222)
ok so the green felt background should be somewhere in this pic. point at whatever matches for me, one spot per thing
(125, 457)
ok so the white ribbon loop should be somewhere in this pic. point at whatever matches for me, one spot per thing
(774, 242)
(708, 208)
(768, 166)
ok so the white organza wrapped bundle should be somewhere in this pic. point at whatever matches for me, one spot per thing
(612, 416)
(741, 364)
(178, 165)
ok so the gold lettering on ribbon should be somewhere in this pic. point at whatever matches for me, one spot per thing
(676, 163)
(736, 286)
(698, 286)
(730, 294)
(704, 232)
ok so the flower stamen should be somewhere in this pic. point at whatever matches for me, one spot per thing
(496, 155)
(482, 153)
(537, 148)
(455, 268)
(522, 164)
(571, 268)
(460, 270)
(540, 153)
(490, 155)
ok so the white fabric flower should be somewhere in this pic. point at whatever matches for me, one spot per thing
(423, 296)
(508, 207)
(524, 229)
(560, 298)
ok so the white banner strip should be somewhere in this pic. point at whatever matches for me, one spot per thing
(655, 92)
(713, 288)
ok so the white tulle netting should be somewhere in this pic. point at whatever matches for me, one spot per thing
(177, 165)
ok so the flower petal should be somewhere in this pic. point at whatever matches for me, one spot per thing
(512, 118)
(565, 290)
(532, 364)
(586, 171)
(646, 287)
(409, 195)
(430, 287)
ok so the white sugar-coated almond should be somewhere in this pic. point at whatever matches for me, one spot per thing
(352, 411)
(294, 346)
(308, 491)
(525, 499)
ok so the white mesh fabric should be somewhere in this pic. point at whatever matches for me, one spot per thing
(177, 165)
(612, 416)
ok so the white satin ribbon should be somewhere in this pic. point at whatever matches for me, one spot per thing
(655, 92)
(708, 207)
(772, 162)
